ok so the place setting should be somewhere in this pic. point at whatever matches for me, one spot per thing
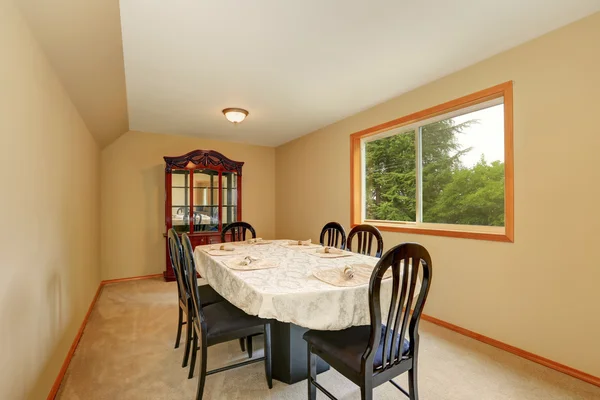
(301, 244)
(229, 249)
(221, 250)
(331, 252)
(251, 242)
(249, 263)
(349, 275)
(258, 241)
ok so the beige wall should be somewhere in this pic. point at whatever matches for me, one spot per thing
(541, 292)
(49, 208)
(133, 197)
(82, 41)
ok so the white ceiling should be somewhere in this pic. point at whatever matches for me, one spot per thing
(300, 65)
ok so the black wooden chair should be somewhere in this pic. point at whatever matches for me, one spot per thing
(372, 355)
(333, 235)
(238, 231)
(218, 323)
(365, 234)
(207, 293)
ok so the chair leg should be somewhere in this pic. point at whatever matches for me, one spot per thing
(366, 392)
(202, 377)
(249, 346)
(194, 352)
(243, 344)
(413, 389)
(268, 370)
(312, 374)
(179, 324)
(188, 339)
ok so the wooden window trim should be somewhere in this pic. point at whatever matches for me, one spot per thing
(502, 90)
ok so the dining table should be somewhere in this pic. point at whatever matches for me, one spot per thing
(284, 288)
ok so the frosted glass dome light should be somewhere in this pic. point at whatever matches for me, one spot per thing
(235, 115)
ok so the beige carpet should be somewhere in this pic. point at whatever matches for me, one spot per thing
(126, 352)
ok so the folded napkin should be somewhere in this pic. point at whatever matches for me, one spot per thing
(220, 250)
(348, 275)
(258, 241)
(248, 260)
(224, 247)
(299, 242)
(248, 263)
(332, 252)
(348, 272)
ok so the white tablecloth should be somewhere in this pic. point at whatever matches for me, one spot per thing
(290, 293)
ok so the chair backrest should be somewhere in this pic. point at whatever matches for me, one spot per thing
(406, 261)
(176, 257)
(238, 231)
(333, 235)
(192, 280)
(365, 234)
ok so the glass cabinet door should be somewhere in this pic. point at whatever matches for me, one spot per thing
(230, 197)
(206, 200)
(180, 200)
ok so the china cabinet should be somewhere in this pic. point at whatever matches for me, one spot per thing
(203, 193)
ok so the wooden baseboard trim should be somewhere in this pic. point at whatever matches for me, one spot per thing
(65, 366)
(63, 369)
(135, 278)
(594, 380)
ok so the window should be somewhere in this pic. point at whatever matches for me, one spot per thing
(443, 171)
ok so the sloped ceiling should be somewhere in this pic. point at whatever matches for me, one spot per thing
(296, 66)
(82, 40)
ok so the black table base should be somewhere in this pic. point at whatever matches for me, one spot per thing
(289, 353)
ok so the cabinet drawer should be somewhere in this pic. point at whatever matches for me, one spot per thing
(201, 240)
(197, 240)
(213, 239)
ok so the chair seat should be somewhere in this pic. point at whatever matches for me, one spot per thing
(348, 345)
(223, 319)
(208, 295)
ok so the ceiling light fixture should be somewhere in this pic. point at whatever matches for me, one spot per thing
(235, 115)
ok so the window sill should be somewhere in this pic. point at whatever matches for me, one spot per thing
(477, 233)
